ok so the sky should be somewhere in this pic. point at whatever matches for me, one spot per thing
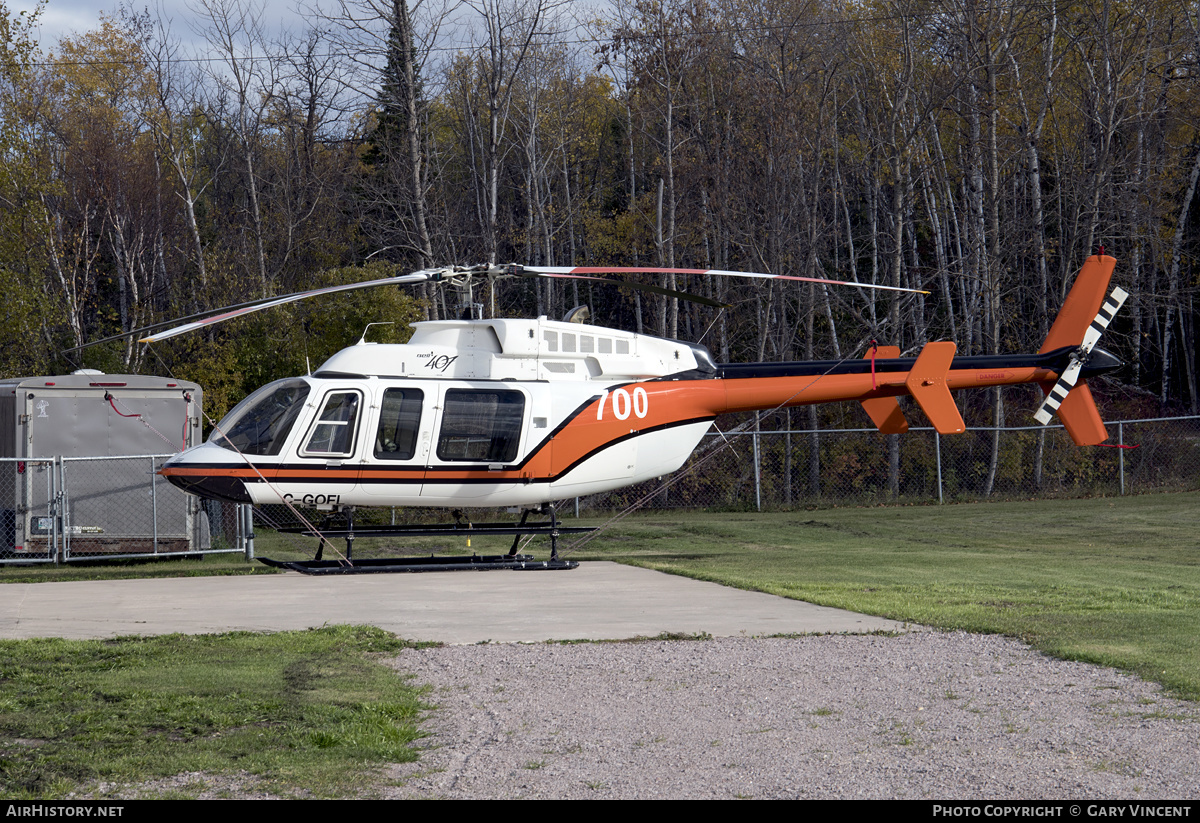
(63, 17)
(60, 18)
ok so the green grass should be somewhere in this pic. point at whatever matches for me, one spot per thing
(104, 569)
(307, 713)
(1114, 581)
(1111, 581)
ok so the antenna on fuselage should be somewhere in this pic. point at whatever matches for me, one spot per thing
(362, 340)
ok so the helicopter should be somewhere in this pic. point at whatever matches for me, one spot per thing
(487, 413)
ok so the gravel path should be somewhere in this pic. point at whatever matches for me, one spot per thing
(921, 715)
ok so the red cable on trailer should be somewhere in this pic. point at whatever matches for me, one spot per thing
(109, 398)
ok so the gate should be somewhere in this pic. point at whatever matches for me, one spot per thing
(58, 509)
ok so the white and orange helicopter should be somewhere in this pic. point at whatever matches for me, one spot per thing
(522, 413)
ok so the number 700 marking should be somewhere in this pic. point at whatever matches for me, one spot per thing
(623, 403)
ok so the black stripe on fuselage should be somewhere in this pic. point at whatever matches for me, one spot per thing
(431, 472)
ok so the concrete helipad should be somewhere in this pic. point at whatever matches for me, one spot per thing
(597, 601)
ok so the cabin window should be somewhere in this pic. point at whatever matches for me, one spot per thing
(333, 433)
(260, 423)
(481, 425)
(399, 420)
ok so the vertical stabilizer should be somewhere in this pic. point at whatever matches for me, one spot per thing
(1081, 418)
(1082, 303)
(1078, 411)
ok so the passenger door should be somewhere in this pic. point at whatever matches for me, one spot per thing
(393, 466)
(477, 446)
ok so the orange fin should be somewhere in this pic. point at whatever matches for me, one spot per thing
(1079, 415)
(885, 412)
(1083, 301)
(927, 384)
(1078, 411)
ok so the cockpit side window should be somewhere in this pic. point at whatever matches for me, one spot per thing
(399, 421)
(481, 425)
(333, 433)
(260, 424)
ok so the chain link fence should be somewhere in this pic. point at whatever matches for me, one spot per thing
(765, 470)
(760, 470)
(59, 509)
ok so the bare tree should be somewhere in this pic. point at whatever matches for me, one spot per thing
(244, 77)
(178, 128)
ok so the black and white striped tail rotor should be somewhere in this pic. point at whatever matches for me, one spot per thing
(1079, 357)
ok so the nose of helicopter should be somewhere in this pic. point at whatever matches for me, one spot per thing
(207, 471)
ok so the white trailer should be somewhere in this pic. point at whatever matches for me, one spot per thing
(78, 466)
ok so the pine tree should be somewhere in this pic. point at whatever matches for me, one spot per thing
(400, 93)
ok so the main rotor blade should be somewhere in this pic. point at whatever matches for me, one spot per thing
(552, 271)
(196, 321)
(208, 318)
(230, 312)
(633, 284)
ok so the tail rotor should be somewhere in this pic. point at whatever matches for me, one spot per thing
(1066, 381)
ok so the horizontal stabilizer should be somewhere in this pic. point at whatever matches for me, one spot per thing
(928, 386)
(885, 412)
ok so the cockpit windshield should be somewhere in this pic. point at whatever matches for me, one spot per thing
(261, 422)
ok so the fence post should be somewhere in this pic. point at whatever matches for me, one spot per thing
(1121, 453)
(757, 476)
(246, 527)
(937, 447)
(154, 504)
(58, 519)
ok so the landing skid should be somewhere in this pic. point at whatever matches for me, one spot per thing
(433, 563)
(475, 563)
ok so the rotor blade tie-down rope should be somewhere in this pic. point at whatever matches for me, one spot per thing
(282, 499)
(112, 402)
(304, 520)
(874, 351)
